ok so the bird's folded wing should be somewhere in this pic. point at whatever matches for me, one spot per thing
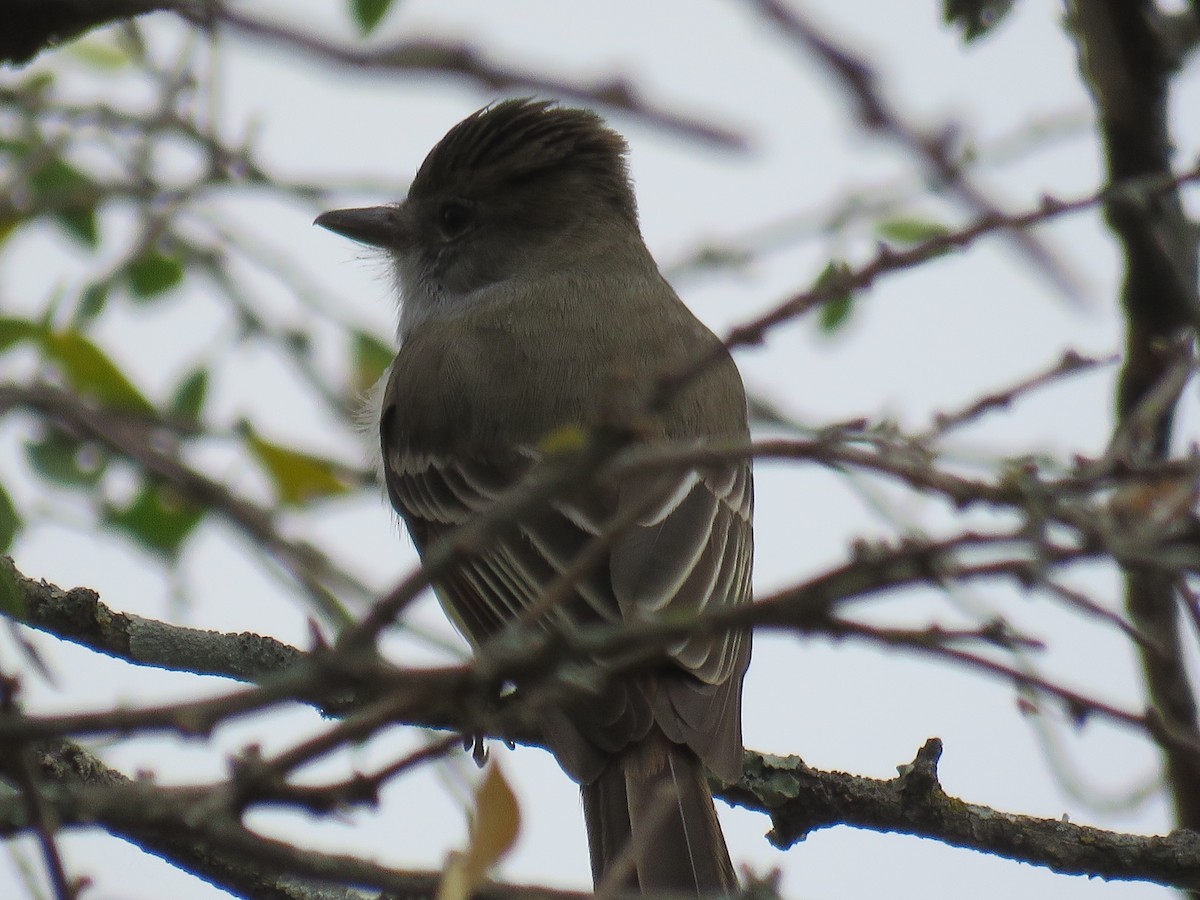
(510, 578)
(691, 555)
(688, 554)
(687, 551)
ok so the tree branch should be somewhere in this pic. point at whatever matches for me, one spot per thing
(801, 800)
(33, 25)
(1127, 68)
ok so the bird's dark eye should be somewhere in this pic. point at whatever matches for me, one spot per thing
(454, 218)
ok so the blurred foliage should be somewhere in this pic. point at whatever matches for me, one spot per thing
(153, 274)
(12, 601)
(9, 520)
(371, 359)
(157, 518)
(835, 312)
(92, 372)
(188, 400)
(66, 165)
(67, 461)
(298, 477)
(495, 826)
(910, 231)
(68, 194)
(369, 13)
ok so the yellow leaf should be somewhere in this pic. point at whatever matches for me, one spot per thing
(564, 440)
(7, 226)
(298, 477)
(99, 54)
(455, 884)
(494, 830)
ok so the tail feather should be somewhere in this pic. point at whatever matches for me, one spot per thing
(610, 835)
(652, 824)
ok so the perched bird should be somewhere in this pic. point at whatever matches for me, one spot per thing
(528, 303)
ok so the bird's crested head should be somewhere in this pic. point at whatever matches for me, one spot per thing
(517, 192)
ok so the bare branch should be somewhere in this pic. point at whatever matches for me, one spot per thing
(801, 800)
(1126, 64)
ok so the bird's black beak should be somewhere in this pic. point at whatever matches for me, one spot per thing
(376, 226)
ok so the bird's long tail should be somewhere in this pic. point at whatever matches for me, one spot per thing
(651, 823)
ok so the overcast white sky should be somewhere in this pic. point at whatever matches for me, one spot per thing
(920, 342)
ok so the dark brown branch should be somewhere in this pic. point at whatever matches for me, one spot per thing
(31, 26)
(20, 771)
(801, 800)
(83, 792)
(460, 60)
(1071, 363)
(70, 775)
(464, 697)
(258, 781)
(798, 799)
(1127, 67)
(888, 260)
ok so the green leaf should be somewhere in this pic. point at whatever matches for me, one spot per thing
(67, 460)
(298, 477)
(92, 372)
(98, 54)
(903, 230)
(10, 522)
(12, 598)
(369, 13)
(371, 359)
(563, 440)
(58, 176)
(153, 274)
(835, 311)
(92, 303)
(37, 83)
(189, 396)
(14, 331)
(975, 18)
(81, 225)
(58, 182)
(158, 519)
